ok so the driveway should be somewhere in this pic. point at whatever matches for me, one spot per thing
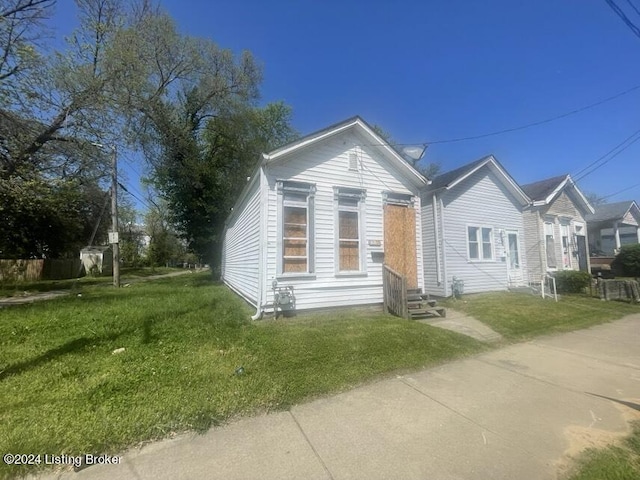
(518, 412)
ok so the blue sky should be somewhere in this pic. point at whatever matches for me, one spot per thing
(441, 69)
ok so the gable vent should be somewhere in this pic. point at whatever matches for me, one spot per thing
(353, 161)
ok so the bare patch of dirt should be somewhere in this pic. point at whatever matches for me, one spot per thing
(582, 438)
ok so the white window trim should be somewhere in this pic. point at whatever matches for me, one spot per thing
(304, 189)
(359, 195)
(480, 244)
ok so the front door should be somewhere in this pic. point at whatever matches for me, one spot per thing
(581, 241)
(514, 270)
(400, 241)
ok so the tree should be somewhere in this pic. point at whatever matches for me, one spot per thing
(201, 172)
(594, 199)
(51, 110)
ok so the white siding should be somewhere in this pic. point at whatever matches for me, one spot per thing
(326, 164)
(480, 200)
(241, 247)
(533, 241)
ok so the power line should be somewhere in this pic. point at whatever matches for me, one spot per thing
(620, 191)
(633, 6)
(528, 125)
(607, 154)
(624, 18)
(596, 167)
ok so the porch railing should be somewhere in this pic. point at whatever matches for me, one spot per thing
(394, 288)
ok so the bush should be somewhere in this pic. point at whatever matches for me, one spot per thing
(570, 281)
(628, 260)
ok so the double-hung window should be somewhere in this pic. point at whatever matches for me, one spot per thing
(480, 243)
(349, 229)
(550, 245)
(296, 256)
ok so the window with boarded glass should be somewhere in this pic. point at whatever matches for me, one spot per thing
(349, 241)
(297, 228)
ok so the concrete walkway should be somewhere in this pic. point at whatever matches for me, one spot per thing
(459, 322)
(519, 412)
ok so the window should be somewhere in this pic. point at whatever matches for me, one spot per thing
(297, 228)
(566, 254)
(349, 229)
(480, 242)
(550, 245)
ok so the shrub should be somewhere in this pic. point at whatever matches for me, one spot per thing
(570, 281)
(628, 260)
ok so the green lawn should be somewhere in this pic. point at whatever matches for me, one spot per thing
(63, 391)
(617, 462)
(519, 316)
(12, 288)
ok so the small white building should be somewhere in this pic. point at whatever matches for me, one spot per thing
(320, 216)
(97, 260)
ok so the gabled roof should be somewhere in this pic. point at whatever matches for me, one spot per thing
(365, 129)
(541, 190)
(545, 191)
(450, 179)
(613, 211)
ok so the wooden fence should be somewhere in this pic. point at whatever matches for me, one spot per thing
(42, 269)
(394, 288)
(628, 290)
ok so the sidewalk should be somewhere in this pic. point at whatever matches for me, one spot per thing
(515, 413)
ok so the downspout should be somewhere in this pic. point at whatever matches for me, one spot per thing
(262, 254)
(437, 239)
(444, 257)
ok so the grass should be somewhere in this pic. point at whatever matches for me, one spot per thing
(64, 391)
(521, 317)
(12, 288)
(616, 462)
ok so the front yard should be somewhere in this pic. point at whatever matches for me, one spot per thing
(64, 391)
(521, 317)
(181, 341)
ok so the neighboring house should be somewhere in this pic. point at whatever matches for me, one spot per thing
(555, 227)
(473, 229)
(613, 225)
(321, 215)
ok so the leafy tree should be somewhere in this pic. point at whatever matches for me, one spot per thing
(201, 172)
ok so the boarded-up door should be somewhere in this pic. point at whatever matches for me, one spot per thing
(400, 241)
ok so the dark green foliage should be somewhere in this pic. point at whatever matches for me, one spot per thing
(571, 281)
(202, 169)
(628, 260)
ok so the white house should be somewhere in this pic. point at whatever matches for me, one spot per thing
(320, 216)
(473, 231)
(555, 226)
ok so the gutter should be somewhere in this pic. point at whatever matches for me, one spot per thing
(437, 239)
(262, 255)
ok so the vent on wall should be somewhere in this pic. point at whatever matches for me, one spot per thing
(353, 161)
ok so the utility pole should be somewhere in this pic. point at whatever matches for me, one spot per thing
(113, 236)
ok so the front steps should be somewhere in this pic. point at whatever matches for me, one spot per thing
(420, 305)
